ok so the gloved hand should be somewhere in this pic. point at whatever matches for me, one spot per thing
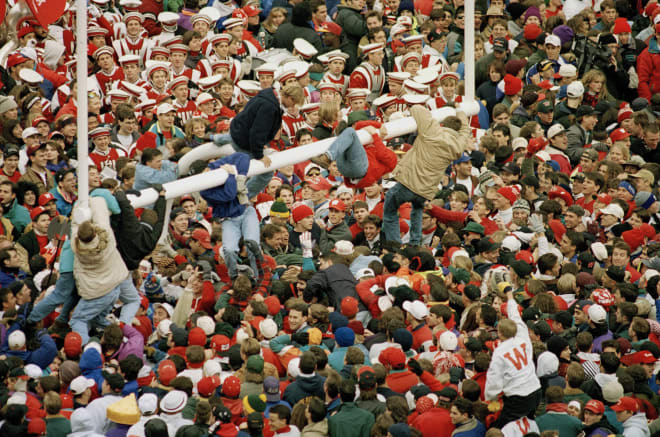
(254, 248)
(302, 338)
(536, 224)
(414, 367)
(208, 137)
(137, 193)
(94, 11)
(112, 319)
(306, 244)
(157, 187)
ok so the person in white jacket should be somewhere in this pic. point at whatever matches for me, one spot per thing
(512, 371)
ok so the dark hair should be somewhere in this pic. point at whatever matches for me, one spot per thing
(463, 406)
(149, 154)
(347, 390)
(282, 411)
(316, 409)
(130, 366)
(610, 362)
(155, 428)
(546, 262)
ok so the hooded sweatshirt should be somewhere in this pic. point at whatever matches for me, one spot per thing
(303, 387)
(91, 366)
(81, 424)
(636, 426)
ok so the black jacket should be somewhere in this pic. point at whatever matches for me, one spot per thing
(337, 282)
(287, 32)
(304, 387)
(258, 123)
(135, 238)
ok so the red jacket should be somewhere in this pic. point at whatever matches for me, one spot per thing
(401, 381)
(648, 70)
(381, 159)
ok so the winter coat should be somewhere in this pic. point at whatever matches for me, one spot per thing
(330, 236)
(82, 425)
(354, 26)
(287, 32)
(434, 423)
(97, 267)
(648, 70)
(42, 356)
(566, 425)
(350, 421)
(18, 216)
(133, 343)
(32, 176)
(91, 366)
(337, 282)
(422, 168)
(136, 238)
(381, 159)
(318, 429)
(223, 199)
(97, 409)
(636, 426)
(304, 387)
(258, 123)
(577, 139)
(471, 428)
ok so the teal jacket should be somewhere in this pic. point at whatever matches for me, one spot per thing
(19, 216)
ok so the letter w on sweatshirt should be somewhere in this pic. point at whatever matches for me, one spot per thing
(521, 357)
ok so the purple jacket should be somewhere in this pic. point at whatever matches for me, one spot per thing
(133, 343)
(598, 341)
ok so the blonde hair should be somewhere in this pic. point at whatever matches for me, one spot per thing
(622, 148)
(566, 283)
(592, 75)
(328, 112)
(295, 92)
(191, 125)
(268, 22)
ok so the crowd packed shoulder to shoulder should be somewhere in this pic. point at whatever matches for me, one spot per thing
(491, 274)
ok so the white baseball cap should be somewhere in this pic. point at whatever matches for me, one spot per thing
(207, 324)
(165, 108)
(553, 40)
(268, 328)
(597, 313)
(555, 129)
(613, 209)
(16, 340)
(417, 309)
(575, 89)
(80, 384)
(567, 70)
(29, 131)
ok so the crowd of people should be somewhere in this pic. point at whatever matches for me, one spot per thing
(494, 273)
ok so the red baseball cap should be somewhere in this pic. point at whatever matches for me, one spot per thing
(45, 198)
(206, 386)
(329, 27)
(619, 134)
(595, 406)
(337, 204)
(166, 371)
(626, 404)
(36, 212)
(202, 237)
(320, 183)
(72, 344)
(220, 343)
(393, 356)
(251, 10)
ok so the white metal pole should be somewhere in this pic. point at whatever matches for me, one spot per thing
(217, 177)
(468, 51)
(81, 96)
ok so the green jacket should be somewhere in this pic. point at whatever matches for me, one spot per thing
(351, 421)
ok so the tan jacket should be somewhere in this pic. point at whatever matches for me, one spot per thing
(32, 176)
(422, 167)
(97, 266)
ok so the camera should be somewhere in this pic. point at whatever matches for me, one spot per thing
(590, 54)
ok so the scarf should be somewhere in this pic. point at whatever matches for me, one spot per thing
(557, 407)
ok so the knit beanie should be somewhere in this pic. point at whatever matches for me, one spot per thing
(252, 403)
(521, 204)
(508, 193)
(532, 31)
(513, 66)
(621, 26)
(512, 85)
(300, 212)
(345, 337)
(279, 209)
(532, 11)
(564, 33)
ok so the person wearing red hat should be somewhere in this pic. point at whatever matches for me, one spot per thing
(504, 200)
(35, 241)
(336, 228)
(595, 422)
(629, 416)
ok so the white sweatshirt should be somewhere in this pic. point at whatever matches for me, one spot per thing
(512, 368)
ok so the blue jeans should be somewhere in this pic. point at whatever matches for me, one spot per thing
(61, 295)
(395, 197)
(89, 310)
(245, 225)
(128, 295)
(257, 183)
(349, 153)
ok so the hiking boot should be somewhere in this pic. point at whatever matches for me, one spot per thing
(322, 160)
